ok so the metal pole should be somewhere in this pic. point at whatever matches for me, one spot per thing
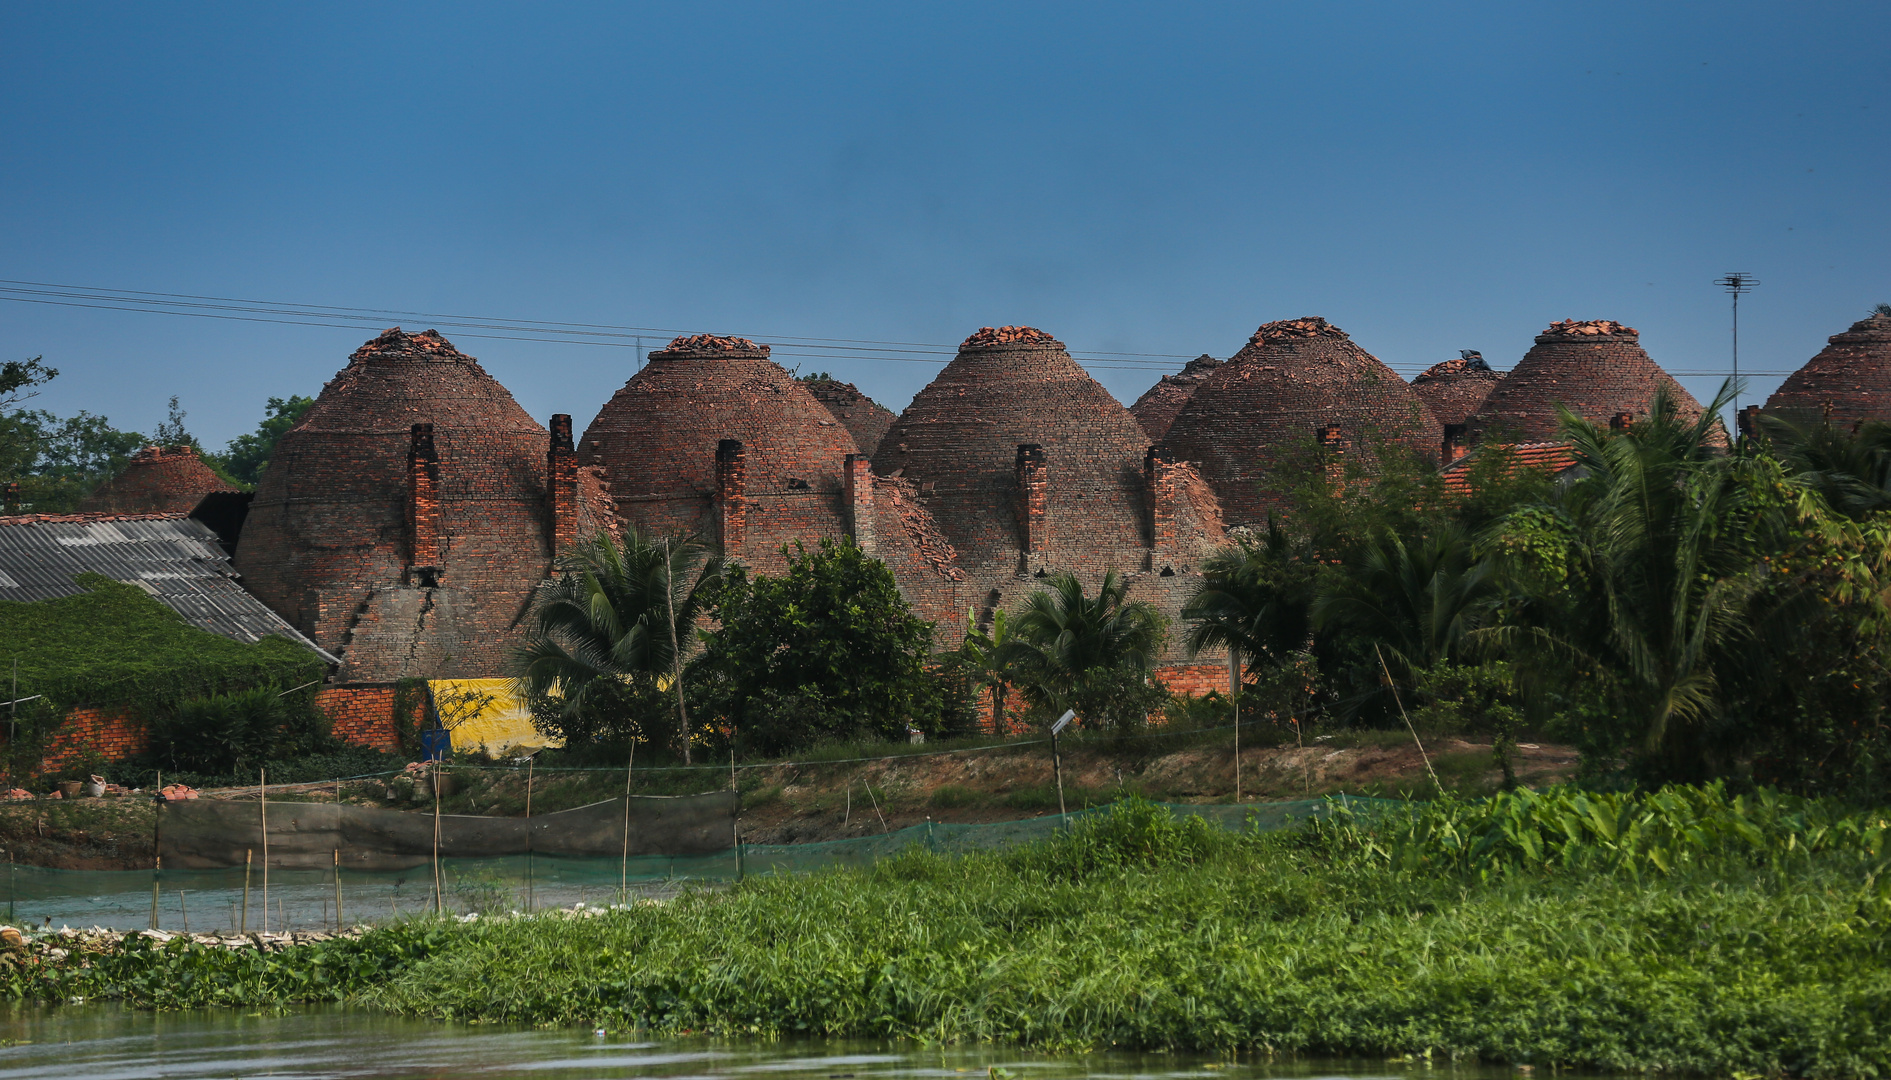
(1057, 766)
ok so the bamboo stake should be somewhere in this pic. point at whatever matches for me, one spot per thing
(1422, 756)
(156, 874)
(676, 648)
(623, 867)
(876, 804)
(1234, 694)
(183, 908)
(262, 794)
(530, 898)
(439, 902)
(338, 890)
(247, 854)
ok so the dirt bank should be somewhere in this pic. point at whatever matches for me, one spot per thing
(806, 802)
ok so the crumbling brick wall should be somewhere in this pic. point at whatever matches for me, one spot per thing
(657, 440)
(1159, 405)
(1029, 467)
(865, 419)
(330, 542)
(158, 480)
(1293, 379)
(364, 714)
(1848, 383)
(1596, 368)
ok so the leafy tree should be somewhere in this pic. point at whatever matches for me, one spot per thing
(21, 379)
(607, 639)
(1086, 652)
(59, 462)
(172, 430)
(827, 650)
(248, 455)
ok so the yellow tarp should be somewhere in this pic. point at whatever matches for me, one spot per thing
(485, 714)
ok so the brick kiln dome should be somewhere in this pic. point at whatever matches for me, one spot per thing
(1455, 389)
(407, 551)
(1159, 405)
(1851, 377)
(865, 419)
(1596, 368)
(659, 439)
(1295, 380)
(959, 441)
(158, 480)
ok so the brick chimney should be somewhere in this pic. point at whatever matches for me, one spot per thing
(1454, 444)
(423, 507)
(1033, 499)
(1158, 467)
(561, 473)
(731, 504)
(1747, 420)
(857, 482)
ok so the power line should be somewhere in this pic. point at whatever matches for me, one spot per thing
(526, 331)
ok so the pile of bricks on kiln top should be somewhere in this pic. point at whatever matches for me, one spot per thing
(1596, 369)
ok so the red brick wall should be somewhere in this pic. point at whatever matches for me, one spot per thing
(363, 715)
(113, 732)
(1191, 679)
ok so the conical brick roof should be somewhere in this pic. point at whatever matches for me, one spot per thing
(1850, 379)
(657, 440)
(1159, 405)
(959, 439)
(1294, 378)
(1597, 369)
(329, 542)
(1455, 389)
(157, 480)
(865, 419)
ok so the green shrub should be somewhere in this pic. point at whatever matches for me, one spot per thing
(950, 796)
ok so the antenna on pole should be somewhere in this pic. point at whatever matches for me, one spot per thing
(1737, 282)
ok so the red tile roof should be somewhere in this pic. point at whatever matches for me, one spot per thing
(1550, 457)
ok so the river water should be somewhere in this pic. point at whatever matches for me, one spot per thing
(111, 1043)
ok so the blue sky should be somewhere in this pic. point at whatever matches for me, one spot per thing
(1153, 179)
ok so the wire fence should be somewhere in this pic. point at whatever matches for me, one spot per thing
(237, 900)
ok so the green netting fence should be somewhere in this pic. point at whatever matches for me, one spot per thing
(233, 899)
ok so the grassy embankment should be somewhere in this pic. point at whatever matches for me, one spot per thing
(1686, 932)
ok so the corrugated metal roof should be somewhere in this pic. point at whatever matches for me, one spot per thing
(175, 558)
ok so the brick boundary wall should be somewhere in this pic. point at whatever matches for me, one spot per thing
(363, 714)
(113, 732)
(1193, 680)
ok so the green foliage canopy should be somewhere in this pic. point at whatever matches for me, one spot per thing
(827, 650)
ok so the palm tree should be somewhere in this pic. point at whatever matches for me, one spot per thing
(616, 613)
(1661, 575)
(984, 653)
(1063, 640)
(1419, 602)
(1255, 597)
(1851, 470)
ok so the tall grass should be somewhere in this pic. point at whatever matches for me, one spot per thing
(1137, 928)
